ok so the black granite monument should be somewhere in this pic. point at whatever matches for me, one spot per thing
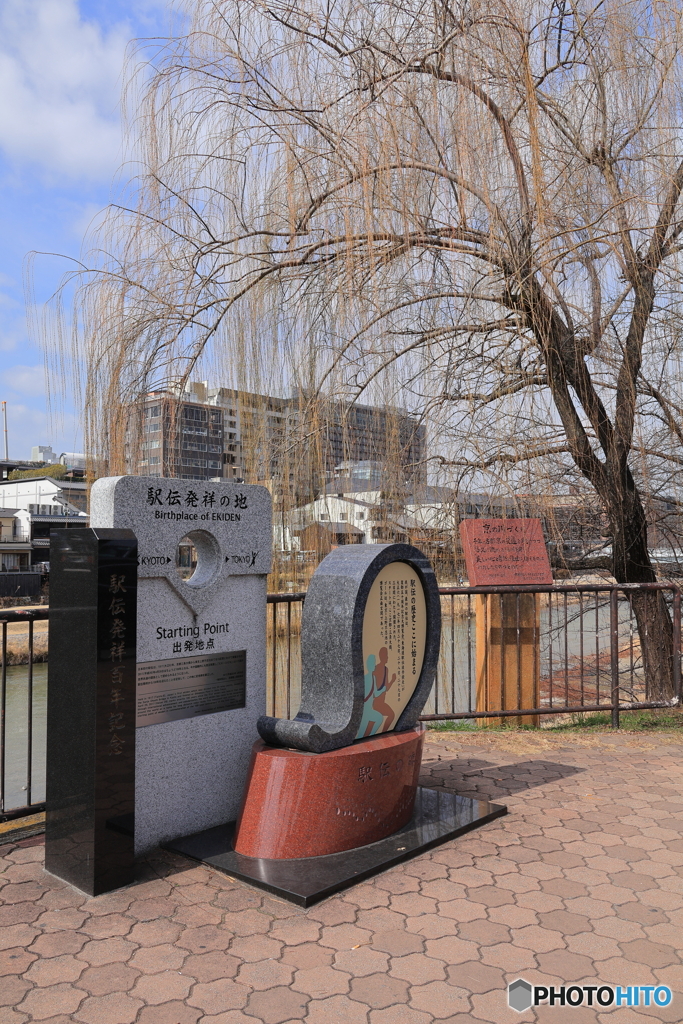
(91, 708)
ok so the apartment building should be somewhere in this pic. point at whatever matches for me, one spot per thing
(291, 445)
(187, 436)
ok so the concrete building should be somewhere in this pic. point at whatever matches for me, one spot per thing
(291, 446)
(74, 461)
(43, 453)
(380, 443)
(39, 505)
(187, 436)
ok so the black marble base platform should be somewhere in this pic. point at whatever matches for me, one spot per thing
(439, 816)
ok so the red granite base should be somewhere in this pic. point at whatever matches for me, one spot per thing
(309, 805)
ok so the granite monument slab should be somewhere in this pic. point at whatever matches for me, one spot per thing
(204, 554)
(438, 817)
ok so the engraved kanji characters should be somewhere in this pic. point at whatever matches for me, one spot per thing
(154, 496)
(118, 650)
(116, 744)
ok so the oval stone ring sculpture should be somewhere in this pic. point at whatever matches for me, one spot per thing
(370, 635)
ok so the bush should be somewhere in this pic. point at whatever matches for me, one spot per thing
(57, 471)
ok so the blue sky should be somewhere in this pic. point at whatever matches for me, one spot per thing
(61, 71)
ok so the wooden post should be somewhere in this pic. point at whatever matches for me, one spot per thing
(508, 655)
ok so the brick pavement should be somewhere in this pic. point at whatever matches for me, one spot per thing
(583, 880)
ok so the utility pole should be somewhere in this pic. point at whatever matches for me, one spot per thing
(4, 420)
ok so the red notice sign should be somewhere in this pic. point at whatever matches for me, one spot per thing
(503, 552)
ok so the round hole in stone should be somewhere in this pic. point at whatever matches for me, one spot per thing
(198, 558)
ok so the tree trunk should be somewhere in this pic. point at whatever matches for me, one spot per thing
(631, 564)
(655, 630)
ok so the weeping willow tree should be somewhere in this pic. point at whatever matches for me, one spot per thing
(471, 209)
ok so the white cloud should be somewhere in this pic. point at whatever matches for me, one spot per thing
(10, 337)
(25, 380)
(60, 82)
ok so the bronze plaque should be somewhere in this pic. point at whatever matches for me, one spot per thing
(188, 687)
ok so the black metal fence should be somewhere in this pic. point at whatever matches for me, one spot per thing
(584, 640)
(23, 705)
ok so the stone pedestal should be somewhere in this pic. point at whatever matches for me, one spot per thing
(309, 805)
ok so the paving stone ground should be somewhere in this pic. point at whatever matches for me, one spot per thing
(582, 881)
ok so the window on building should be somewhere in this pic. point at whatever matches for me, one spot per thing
(324, 516)
(343, 516)
(195, 414)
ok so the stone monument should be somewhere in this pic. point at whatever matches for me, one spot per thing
(499, 553)
(91, 708)
(372, 613)
(332, 794)
(204, 551)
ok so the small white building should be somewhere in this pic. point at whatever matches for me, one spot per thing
(39, 504)
(350, 520)
(331, 509)
(15, 541)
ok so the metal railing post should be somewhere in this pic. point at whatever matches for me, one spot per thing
(3, 715)
(677, 643)
(614, 653)
(29, 717)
